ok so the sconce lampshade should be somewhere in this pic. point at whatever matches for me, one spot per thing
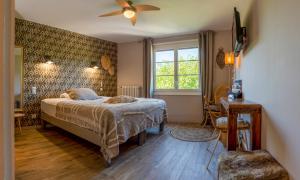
(46, 59)
(94, 65)
(229, 58)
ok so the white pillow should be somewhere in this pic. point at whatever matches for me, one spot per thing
(65, 95)
(82, 94)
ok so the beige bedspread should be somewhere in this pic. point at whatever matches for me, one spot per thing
(114, 123)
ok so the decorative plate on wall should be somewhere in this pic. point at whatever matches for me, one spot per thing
(111, 70)
(105, 62)
(220, 59)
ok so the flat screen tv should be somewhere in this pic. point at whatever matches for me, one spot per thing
(237, 33)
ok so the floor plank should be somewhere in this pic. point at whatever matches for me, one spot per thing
(56, 154)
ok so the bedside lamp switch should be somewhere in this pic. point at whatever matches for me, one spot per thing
(33, 90)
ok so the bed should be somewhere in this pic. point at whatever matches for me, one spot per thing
(106, 125)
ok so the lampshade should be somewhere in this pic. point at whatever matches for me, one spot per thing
(94, 65)
(46, 59)
(129, 13)
(229, 58)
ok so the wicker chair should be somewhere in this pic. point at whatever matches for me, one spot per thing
(220, 125)
(220, 91)
(209, 105)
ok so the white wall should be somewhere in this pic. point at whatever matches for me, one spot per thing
(183, 109)
(222, 40)
(180, 108)
(270, 70)
(130, 64)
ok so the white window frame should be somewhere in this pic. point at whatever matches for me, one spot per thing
(175, 46)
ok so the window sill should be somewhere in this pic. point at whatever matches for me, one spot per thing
(177, 93)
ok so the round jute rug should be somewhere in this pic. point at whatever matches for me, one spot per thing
(193, 134)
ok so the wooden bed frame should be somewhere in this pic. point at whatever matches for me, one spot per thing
(86, 133)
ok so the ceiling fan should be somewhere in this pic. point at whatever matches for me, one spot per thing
(130, 11)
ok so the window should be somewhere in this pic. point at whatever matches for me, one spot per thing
(176, 68)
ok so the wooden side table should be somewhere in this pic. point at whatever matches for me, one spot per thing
(235, 107)
(19, 117)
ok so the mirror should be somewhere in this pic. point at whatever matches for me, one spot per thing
(18, 82)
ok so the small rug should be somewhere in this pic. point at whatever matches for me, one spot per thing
(193, 134)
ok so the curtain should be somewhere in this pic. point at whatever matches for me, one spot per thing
(148, 72)
(206, 63)
(206, 40)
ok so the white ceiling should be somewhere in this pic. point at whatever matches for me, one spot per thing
(176, 17)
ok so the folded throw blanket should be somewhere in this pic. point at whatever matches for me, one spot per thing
(120, 99)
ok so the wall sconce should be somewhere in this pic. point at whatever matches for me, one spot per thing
(94, 65)
(46, 59)
(229, 61)
(229, 58)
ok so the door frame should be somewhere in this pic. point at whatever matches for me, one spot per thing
(7, 39)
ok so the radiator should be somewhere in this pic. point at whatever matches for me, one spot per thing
(131, 90)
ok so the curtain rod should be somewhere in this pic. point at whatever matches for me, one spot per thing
(175, 41)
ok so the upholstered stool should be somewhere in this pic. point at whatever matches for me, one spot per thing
(18, 117)
(250, 165)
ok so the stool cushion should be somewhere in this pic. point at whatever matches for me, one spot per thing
(256, 165)
(17, 115)
(222, 123)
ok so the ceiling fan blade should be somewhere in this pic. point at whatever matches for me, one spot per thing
(133, 20)
(114, 13)
(123, 3)
(140, 8)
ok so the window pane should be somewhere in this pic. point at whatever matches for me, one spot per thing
(188, 82)
(164, 82)
(164, 68)
(188, 54)
(188, 67)
(164, 56)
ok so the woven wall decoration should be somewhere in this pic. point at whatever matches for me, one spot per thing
(111, 70)
(105, 62)
(107, 65)
(220, 59)
(72, 54)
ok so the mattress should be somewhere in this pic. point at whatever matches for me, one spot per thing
(48, 106)
(113, 123)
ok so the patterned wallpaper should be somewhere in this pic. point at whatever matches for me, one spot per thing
(72, 55)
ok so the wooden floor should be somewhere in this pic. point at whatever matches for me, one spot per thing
(56, 154)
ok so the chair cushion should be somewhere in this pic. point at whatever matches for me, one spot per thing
(222, 123)
(250, 165)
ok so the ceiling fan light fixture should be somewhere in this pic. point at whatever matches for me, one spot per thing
(129, 13)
